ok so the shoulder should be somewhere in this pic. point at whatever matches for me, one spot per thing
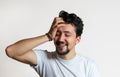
(44, 53)
(91, 66)
(86, 60)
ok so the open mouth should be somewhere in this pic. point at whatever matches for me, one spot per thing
(62, 48)
(61, 44)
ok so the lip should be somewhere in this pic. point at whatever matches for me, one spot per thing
(60, 46)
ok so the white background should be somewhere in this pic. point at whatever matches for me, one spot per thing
(100, 41)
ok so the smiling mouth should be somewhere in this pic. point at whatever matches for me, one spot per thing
(62, 49)
(61, 44)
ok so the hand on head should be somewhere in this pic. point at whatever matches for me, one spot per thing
(55, 25)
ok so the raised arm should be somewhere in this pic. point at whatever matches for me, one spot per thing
(22, 50)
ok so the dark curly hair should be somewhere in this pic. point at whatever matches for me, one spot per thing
(73, 19)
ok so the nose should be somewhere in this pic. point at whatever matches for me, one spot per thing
(61, 37)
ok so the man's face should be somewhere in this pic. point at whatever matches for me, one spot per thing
(65, 39)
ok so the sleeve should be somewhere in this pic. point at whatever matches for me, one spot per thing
(92, 70)
(40, 56)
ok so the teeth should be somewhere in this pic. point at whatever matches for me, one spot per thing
(62, 44)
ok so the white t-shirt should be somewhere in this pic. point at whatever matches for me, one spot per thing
(50, 65)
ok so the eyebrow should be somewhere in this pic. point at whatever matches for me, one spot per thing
(64, 31)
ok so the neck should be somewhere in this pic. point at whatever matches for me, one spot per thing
(68, 56)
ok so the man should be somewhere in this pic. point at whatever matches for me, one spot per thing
(66, 32)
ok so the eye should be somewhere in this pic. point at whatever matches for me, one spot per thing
(67, 35)
(58, 33)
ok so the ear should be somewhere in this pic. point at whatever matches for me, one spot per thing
(78, 39)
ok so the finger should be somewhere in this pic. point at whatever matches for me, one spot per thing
(58, 20)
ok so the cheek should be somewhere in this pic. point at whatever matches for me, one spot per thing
(55, 38)
(72, 42)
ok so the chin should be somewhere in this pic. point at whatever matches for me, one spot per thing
(59, 52)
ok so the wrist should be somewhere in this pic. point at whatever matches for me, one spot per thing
(49, 36)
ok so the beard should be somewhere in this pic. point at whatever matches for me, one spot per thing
(61, 52)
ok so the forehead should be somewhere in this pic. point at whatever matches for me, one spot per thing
(66, 27)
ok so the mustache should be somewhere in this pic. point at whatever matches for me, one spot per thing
(60, 42)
